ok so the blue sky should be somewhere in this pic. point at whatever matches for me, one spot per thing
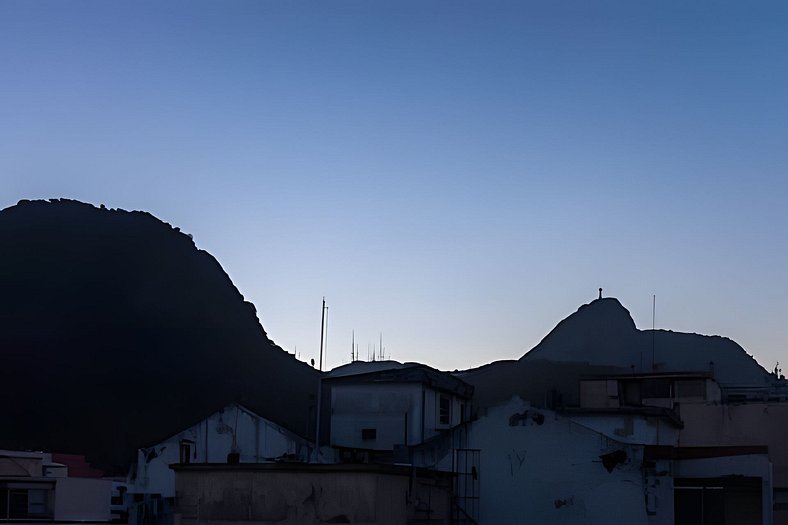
(458, 175)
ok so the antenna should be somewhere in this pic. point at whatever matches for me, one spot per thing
(320, 378)
(322, 332)
(381, 346)
(352, 346)
(653, 329)
(326, 343)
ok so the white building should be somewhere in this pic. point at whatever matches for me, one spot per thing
(234, 434)
(386, 406)
(590, 466)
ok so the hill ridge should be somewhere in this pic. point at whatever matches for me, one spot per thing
(127, 333)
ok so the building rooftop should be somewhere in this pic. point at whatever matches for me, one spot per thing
(394, 372)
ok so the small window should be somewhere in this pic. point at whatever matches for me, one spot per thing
(17, 504)
(655, 388)
(186, 451)
(368, 434)
(691, 388)
(631, 394)
(37, 503)
(612, 388)
(444, 410)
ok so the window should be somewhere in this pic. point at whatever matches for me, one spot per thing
(17, 504)
(612, 388)
(37, 503)
(25, 504)
(186, 451)
(631, 395)
(368, 434)
(691, 388)
(444, 410)
(654, 388)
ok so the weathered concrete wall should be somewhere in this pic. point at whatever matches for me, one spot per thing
(301, 496)
(711, 424)
(552, 472)
(740, 425)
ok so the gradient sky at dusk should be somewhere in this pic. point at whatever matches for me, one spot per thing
(458, 175)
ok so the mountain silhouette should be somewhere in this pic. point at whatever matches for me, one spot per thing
(117, 332)
(603, 333)
(601, 339)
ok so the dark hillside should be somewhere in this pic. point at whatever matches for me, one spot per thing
(601, 339)
(603, 333)
(116, 332)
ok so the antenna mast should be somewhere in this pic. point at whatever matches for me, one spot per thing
(320, 378)
(326, 341)
(653, 329)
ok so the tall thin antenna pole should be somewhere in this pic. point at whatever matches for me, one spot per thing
(320, 379)
(653, 329)
(325, 352)
(322, 332)
(381, 346)
(353, 347)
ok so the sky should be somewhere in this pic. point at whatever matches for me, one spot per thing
(456, 176)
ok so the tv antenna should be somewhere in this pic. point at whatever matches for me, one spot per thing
(653, 329)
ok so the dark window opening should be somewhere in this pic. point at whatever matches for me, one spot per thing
(17, 504)
(369, 434)
(24, 504)
(657, 388)
(691, 388)
(712, 501)
(186, 451)
(630, 394)
(444, 410)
